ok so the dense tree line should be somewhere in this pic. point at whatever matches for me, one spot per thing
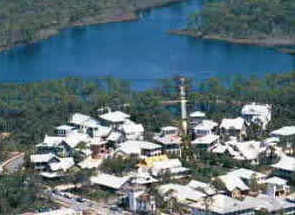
(23, 21)
(246, 18)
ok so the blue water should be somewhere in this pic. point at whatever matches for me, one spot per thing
(140, 51)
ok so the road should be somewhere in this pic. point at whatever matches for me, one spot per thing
(98, 208)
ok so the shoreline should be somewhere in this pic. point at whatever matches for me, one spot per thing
(279, 44)
(128, 16)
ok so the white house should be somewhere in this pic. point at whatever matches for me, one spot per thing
(233, 127)
(204, 128)
(285, 167)
(132, 130)
(114, 119)
(248, 174)
(51, 166)
(109, 181)
(234, 185)
(141, 149)
(197, 117)
(257, 113)
(170, 139)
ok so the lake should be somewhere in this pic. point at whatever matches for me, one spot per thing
(140, 51)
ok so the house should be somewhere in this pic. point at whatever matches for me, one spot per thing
(171, 166)
(132, 130)
(233, 127)
(113, 119)
(287, 137)
(141, 149)
(197, 117)
(89, 163)
(51, 166)
(204, 128)
(41, 161)
(181, 193)
(170, 139)
(248, 150)
(205, 141)
(285, 167)
(270, 205)
(63, 130)
(248, 174)
(221, 205)
(259, 114)
(234, 185)
(141, 202)
(206, 188)
(277, 187)
(108, 181)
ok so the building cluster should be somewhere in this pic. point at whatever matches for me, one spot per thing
(113, 134)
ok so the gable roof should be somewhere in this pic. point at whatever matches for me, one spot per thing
(108, 180)
(246, 173)
(135, 147)
(64, 164)
(285, 163)
(233, 182)
(115, 117)
(284, 131)
(194, 184)
(236, 123)
(42, 158)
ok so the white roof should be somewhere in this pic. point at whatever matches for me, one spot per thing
(206, 125)
(64, 164)
(84, 120)
(74, 138)
(265, 202)
(50, 174)
(285, 163)
(194, 184)
(167, 164)
(232, 182)
(142, 178)
(65, 127)
(181, 192)
(256, 109)
(284, 131)
(271, 140)
(135, 147)
(246, 173)
(236, 123)
(276, 180)
(90, 163)
(110, 181)
(116, 116)
(197, 114)
(222, 204)
(208, 139)
(250, 149)
(169, 128)
(52, 140)
(42, 158)
(131, 127)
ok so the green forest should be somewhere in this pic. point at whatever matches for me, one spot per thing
(25, 21)
(246, 19)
